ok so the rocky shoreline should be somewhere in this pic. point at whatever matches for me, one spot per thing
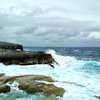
(14, 54)
(31, 84)
(11, 53)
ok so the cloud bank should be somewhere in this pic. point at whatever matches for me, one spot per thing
(49, 23)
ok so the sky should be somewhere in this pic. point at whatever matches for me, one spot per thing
(56, 23)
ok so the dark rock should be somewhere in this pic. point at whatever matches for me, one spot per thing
(12, 46)
(8, 57)
(4, 88)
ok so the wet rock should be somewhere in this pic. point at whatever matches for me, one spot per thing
(4, 88)
(12, 46)
(52, 90)
(46, 89)
(8, 57)
(33, 84)
(33, 77)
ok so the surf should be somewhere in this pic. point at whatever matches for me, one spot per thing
(71, 74)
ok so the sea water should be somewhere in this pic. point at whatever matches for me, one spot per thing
(78, 72)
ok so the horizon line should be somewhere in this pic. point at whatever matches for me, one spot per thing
(64, 46)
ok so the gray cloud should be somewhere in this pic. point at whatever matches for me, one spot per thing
(49, 25)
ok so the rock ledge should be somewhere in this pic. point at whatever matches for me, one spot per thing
(31, 84)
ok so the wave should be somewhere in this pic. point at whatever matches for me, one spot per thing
(79, 74)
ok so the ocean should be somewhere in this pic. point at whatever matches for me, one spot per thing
(78, 73)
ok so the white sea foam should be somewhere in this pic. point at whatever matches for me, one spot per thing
(79, 78)
(13, 86)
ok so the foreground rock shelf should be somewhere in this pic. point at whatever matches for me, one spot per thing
(13, 54)
(31, 84)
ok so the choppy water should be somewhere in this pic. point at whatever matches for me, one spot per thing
(78, 73)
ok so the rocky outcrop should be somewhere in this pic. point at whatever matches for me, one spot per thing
(4, 88)
(12, 46)
(32, 84)
(9, 55)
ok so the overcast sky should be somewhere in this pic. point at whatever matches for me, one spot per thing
(50, 22)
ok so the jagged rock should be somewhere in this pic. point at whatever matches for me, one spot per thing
(8, 57)
(33, 84)
(12, 46)
(4, 88)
